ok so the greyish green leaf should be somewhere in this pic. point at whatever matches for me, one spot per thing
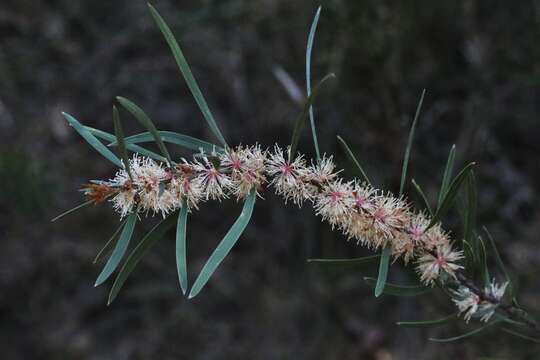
(175, 138)
(351, 156)
(145, 121)
(156, 233)
(309, 48)
(131, 147)
(225, 245)
(301, 119)
(398, 290)
(187, 74)
(450, 195)
(92, 140)
(119, 250)
(181, 261)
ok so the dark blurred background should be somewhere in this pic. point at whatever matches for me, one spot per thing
(478, 60)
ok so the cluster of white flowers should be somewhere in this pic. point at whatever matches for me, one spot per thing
(472, 305)
(371, 217)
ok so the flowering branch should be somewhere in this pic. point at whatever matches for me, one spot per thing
(371, 217)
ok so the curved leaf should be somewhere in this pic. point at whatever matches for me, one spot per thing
(351, 156)
(301, 119)
(423, 196)
(409, 144)
(309, 48)
(225, 245)
(119, 250)
(131, 147)
(343, 262)
(110, 242)
(92, 140)
(145, 121)
(466, 335)
(174, 138)
(186, 73)
(427, 323)
(383, 270)
(121, 143)
(447, 175)
(80, 206)
(136, 255)
(450, 195)
(181, 262)
(398, 290)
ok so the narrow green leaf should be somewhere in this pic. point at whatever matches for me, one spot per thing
(409, 144)
(309, 48)
(80, 206)
(131, 147)
(175, 138)
(225, 245)
(470, 206)
(466, 335)
(111, 242)
(450, 195)
(427, 323)
(121, 144)
(483, 262)
(145, 121)
(447, 175)
(136, 255)
(383, 270)
(91, 139)
(344, 262)
(469, 255)
(119, 250)
(351, 156)
(499, 260)
(398, 290)
(422, 196)
(181, 261)
(187, 74)
(301, 119)
(519, 335)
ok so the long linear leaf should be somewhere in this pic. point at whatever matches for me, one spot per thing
(110, 242)
(174, 138)
(499, 260)
(409, 144)
(119, 250)
(181, 262)
(301, 119)
(119, 132)
(80, 206)
(309, 48)
(470, 207)
(225, 245)
(383, 270)
(483, 262)
(451, 194)
(399, 290)
(422, 196)
(131, 147)
(92, 140)
(351, 156)
(187, 74)
(136, 255)
(427, 323)
(520, 335)
(343, 262)
(145, 121)
(447, 175)
(466, 335)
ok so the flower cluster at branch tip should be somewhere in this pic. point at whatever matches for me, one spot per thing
(371, 217)
(472, 305)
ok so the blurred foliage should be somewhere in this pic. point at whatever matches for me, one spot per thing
(478, 60)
